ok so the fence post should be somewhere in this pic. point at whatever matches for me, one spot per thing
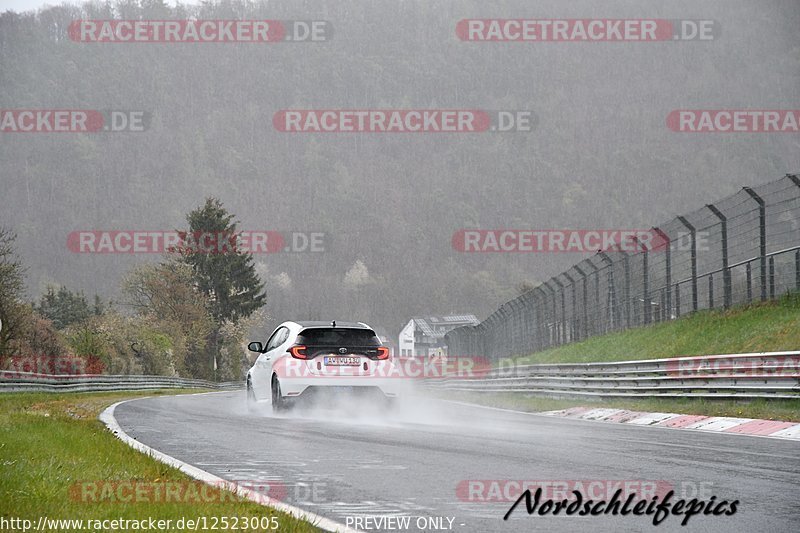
(553, 337)
(677, 300)
(611, 297)
(771, 278)
(627, 266)
(726, 274)
(573, 318)
(526, 315)
(583, 330)
(749, 274)
(711, 291)
(666, 306)
(797, 270)
(762, 247)
(646, 304)
(506, 329)
(563, 323)
(596, 313)
(693, 236)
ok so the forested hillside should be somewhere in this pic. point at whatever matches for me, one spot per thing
(600, 154)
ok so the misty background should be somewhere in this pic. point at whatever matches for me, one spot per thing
(600, 155)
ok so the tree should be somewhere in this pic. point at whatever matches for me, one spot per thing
(166, 291)
(65, 307)
(226, 276)
(12, 283)
(167, 298)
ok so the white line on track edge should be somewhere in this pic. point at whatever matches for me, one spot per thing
(107, 417)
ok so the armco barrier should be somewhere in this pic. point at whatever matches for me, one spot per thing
(754, 375)
(30, 382)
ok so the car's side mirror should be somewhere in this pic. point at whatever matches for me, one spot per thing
(255, 347)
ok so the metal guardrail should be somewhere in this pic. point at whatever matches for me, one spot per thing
(11, 381)
(762, 375)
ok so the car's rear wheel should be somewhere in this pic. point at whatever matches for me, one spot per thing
(279, 403)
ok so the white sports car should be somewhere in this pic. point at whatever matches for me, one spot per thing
(308, 359)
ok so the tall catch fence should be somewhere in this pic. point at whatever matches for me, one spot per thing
(741, 249)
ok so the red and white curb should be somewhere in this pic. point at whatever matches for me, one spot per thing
(719, 424)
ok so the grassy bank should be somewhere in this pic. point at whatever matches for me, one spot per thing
(760, 327)
(763, 327)
(51, 443)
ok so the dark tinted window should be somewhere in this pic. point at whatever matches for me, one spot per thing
(338, 337)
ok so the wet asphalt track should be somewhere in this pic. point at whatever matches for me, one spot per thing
(347, 462)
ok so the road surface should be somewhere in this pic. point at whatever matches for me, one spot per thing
(353, 461)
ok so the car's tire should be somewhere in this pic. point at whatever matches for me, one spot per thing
(252, 403)
(279, 403)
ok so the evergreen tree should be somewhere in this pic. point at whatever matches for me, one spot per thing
(224, 274)
(64, 307)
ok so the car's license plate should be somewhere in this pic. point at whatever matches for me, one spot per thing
(342, 361)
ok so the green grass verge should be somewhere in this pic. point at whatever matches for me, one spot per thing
(772, 326)
(763, 327)
(786, 410)
(51, 441)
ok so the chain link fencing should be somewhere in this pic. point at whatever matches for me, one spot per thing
(741, 249)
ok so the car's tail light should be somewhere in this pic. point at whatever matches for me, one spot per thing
(298, 351)
(383, 353)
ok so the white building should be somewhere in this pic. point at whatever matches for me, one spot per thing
(424, 336)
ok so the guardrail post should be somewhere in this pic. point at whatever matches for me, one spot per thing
(666, 309)
(726, 274)
(693, 237)
(762, 246)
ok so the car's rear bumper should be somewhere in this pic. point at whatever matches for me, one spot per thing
(389, 387)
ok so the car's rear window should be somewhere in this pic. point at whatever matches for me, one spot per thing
(338, 337)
